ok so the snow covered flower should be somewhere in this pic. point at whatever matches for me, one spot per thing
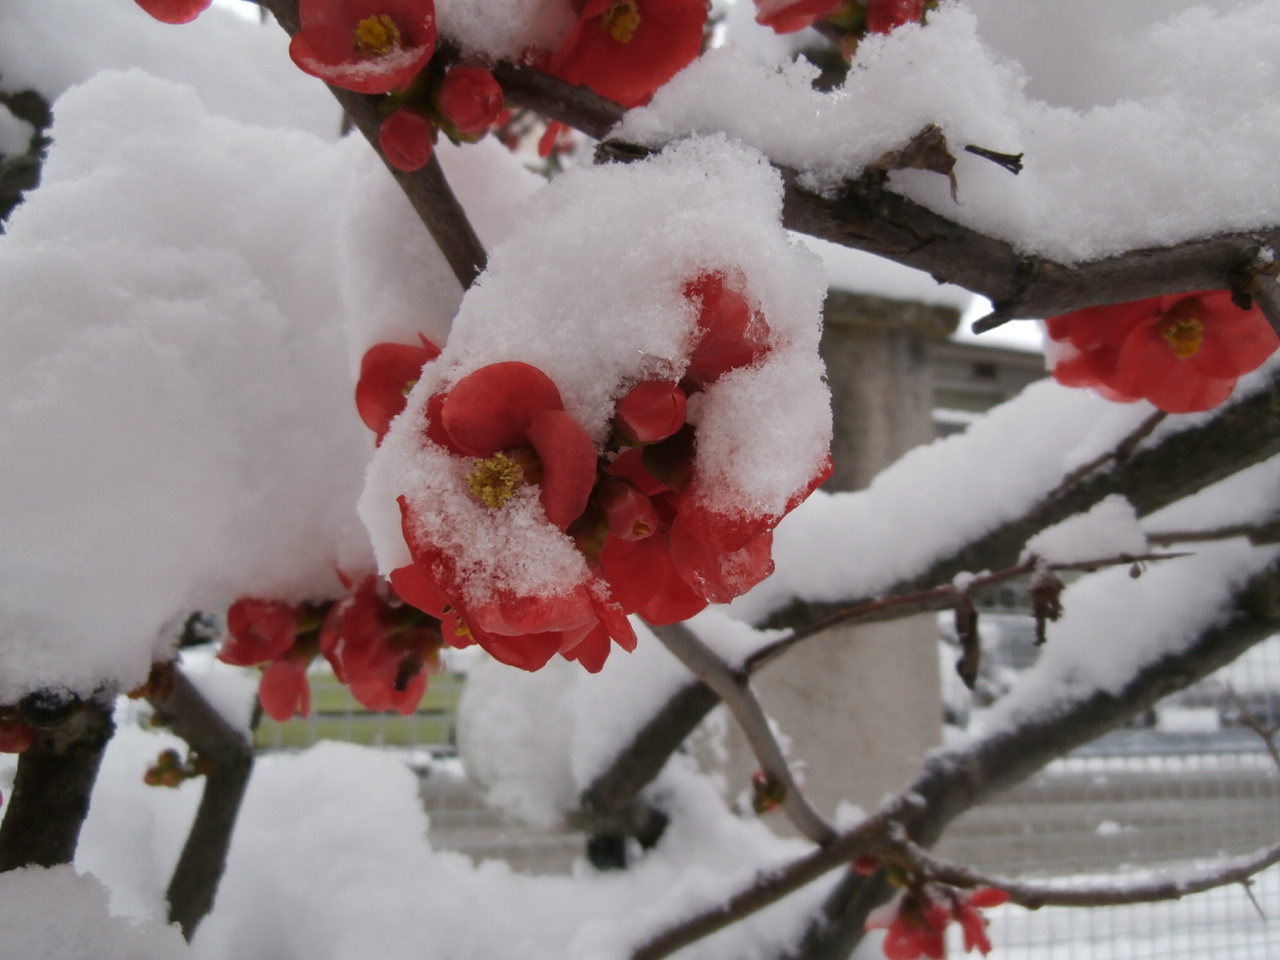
(381, 647)
(915, 922)
(627, 49)
(174, 11)
(388, 372)
(470, 99)
(369, 46)
(506, 425)
(790, 16)
(1181, 352)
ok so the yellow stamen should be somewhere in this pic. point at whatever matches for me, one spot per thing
(1184, 335)
(408, 387)
(494, 481)
(622, 20)
(377, 35)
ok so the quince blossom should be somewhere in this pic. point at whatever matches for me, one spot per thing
(790, 16)
(627, 49)
(369, 46)
(915, 922)
(1183, 352)
(284, 636)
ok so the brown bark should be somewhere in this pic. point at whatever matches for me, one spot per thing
(55, 779)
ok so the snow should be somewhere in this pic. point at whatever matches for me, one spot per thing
(1108, 529)
(1149, 151)
(56, 913)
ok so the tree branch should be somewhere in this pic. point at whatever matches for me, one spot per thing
(733, 688)
(195, 879)
(55, 779)
(427, 189)
(1036, 895)
(955, 780)
(1238, 436)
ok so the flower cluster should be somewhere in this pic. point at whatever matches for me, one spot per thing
(626, 49)
(380, 647)
(915, 922)
(633, 507)
(1183, 353)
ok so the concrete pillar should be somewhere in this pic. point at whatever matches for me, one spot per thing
(861, 706)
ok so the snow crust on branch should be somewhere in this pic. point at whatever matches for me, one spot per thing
(1169, 147)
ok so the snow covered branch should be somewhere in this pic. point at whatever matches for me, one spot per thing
(1156, 475)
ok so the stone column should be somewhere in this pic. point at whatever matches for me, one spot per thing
(861, 705)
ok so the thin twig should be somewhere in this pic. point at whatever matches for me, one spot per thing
(1035, 895)
(1117, 454)
(734, 689)
(939, 598)
(579, 107)
(772, 885)
(1266, 734)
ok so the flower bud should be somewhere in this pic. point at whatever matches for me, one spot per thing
(650, 412)
(470, 98)
(628, 513)
(405, 139)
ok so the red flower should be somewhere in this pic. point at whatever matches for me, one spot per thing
(381, 647)
(788, 16)
(369, 46)
(261, 630)
(915, 923)
(886, 15)
(1183, 353)
(627, 49)
(284, 637)
(388, 372)
(509, 420)
(175, 11)
(470, 99)
(406, 139)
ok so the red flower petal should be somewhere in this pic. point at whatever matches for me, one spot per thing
(175, 11)
(386, 372)
(789, 17)
(413, 586)
(15, 735)
(651, 411)
(885, 15)
(406, 140)
(729, 336)
(568, 465)
(628, 513)
(715, 573)
(643, 579)
(987, 897)
(284, 691)
(492, 408)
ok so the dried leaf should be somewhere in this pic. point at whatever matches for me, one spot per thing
(927, 150)
(1046, 600)
(970, 643)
